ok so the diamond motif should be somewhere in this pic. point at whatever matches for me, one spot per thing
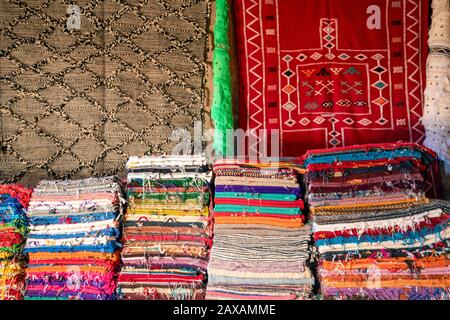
(333, 120)
(288, 73)
(287, 58)
(334, 142)
(289, 122)
(330, 56)
(381, 121)
(361, 57)
(377, 56)
(289, 106)
(380, 101)
(302, 57)
(348, 121)
(378, 69)
(364, 122)
(379, 84)
(334, 134)
(288, 89)
(319, 120)
(328, 29)
(344, 56)
(316, 56)
(304, 121)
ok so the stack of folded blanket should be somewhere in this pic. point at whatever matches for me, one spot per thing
(260, 245)
(13, 228)
(74, 239)
(167, 233)
(377, 235)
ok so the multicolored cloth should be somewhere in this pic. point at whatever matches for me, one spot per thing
(377, 235)
(260, 241)
(13, 229)
(308, 74)
(74, 239)
(167, 233)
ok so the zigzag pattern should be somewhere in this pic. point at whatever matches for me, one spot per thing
(415, 91)
(254, 71)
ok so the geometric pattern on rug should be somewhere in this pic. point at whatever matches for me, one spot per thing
(333, 73)
(78, 102)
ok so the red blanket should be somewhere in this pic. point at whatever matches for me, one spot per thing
(332, 73)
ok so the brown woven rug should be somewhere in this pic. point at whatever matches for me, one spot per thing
(78, 102)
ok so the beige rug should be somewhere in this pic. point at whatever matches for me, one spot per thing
(78, 102)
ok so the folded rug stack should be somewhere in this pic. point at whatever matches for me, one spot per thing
(377, 235)
(260, 241)
(167, 234)
(74, 239)
(13, 228)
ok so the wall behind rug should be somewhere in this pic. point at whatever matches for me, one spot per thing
(85, 84)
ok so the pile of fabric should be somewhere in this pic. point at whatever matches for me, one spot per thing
(74, 239)
(13, 228)
(376, 233)
(260, 245)
(167, 234)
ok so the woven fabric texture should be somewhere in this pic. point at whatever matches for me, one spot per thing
(76, 102)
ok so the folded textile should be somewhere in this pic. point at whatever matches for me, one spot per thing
(377, 235)
(74, 239)
(260, 246)
(167, 234)
(14, 200)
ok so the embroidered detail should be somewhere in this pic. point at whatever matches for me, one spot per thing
(308, 72)
(302, 57)
(335, 71)
(304, 121)
(288, 73)
(323, 72)
(380, 101)
(306, 84)
(364, 122)
(288, 89)
(344, 103)
(349, 88)
(319, 120)
(324, 87)
(289, 106)
(316, 56)
(360, 103)
(327, 104)
(379, 84)
(311, 106)
(351, 70)
(344, 56)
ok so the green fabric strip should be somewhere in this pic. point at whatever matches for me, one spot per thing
(221, 111)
